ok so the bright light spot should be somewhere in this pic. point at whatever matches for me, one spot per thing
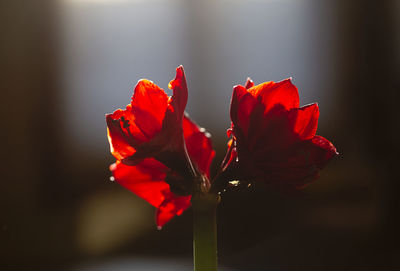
(234, 183)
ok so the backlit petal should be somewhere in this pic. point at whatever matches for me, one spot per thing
(249, 83)
(171, 206)
(271, 93)
(245, 106)
(272, 132)
(149, 103)
(122, 133)
(305, 120)
(180, 94)
(323, 151)
(198, 144)
(145, 179)
(238, 92)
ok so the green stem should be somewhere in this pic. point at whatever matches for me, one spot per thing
(205, 232)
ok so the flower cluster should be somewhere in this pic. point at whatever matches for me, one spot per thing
(164, 157)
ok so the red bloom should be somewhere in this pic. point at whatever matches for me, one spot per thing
(159, 151)
(273, 139)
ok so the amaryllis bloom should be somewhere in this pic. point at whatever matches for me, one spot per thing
(273, 139)
(159, 150)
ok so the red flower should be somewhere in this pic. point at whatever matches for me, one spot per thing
(273, 139)
(159, 151)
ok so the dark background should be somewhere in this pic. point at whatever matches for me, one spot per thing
(64, 64)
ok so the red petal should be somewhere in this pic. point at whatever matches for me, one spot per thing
(198, 144)
(145, 179)
(149, 103)
(243, 104)
(180, 93)
(297, 166)
(271, 94)
(119, 146)
(305, 121)
(238, 93)
(249, 83)
(323, 151)
(280, 129)
(123, 138)
(270, 132)
(172, 206)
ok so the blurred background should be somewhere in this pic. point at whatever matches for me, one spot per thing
(66, 63)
